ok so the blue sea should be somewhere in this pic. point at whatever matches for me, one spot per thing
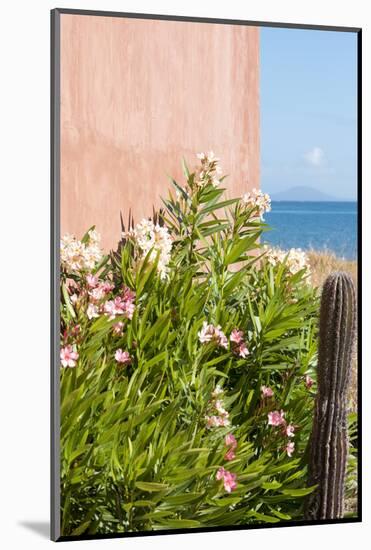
(326, 226)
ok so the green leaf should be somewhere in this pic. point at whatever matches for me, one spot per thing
(66, 297)
(240, 247)
(150, 487)
(177, 524)
(298, 492)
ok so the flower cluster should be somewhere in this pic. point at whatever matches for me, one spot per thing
(229, 479)
(211, 333)
(296, 259)
(98, 292)
(218, 416)
(123, 357)
(238, 343)
(266, 392)
(69, 356)
(258, 200)
(77, 256)
(308, 382)
(276, 418)
(231, 443)
(154, 239)
(210, 171)
(121, 305)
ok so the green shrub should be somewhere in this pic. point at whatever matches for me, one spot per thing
(167, 346)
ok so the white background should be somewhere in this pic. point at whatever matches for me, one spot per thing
(24, 270)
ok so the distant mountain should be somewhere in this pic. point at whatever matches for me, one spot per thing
(305, 194)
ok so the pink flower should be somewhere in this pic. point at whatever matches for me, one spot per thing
(97, 294)
(123, 357)
(210, 333)
(69, 356)
(113, 308)
(230, 455)
(106, 287)
(129, 310)
(229, 479)
(243, 351)
(236, 336)
(275, 418)
(239, 346)
(117, 327)
(266, 391)
(290, 447)
(230, 441)
(110, 309)
(128, 295)
(100, 290)
(121, 305)
(309, 382)
(92, 280)
(222, 340)
(289, 430)
(92, 311)
(230, 482)
(206, 334)
(220, 473)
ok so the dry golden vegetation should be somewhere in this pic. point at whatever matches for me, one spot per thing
(322, 264)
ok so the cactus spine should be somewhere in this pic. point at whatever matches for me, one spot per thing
(329, 439)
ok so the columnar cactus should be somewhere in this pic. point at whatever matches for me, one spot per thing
(329, 439)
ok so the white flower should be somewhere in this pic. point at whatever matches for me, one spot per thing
(217, 391)
(92, 311)
(94, 236)
(295, 258)
(154, 238)
(257, 199)
(209, 171)
(216, 421)
(220, 408)
(77, 256)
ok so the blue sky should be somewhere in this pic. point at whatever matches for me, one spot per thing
(308, 95)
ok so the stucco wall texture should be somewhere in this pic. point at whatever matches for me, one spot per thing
(137, 96)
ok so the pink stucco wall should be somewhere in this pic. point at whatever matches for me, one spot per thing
(136, 96)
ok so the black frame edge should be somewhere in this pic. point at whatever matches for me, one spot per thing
(54, 270)
(197, 19)
(359, 272)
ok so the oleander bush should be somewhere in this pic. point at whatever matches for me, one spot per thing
(187, 375)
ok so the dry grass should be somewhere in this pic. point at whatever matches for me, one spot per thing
(322, 264)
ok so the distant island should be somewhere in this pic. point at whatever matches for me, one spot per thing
(306, 194)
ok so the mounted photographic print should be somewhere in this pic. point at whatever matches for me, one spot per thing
(205, 291)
